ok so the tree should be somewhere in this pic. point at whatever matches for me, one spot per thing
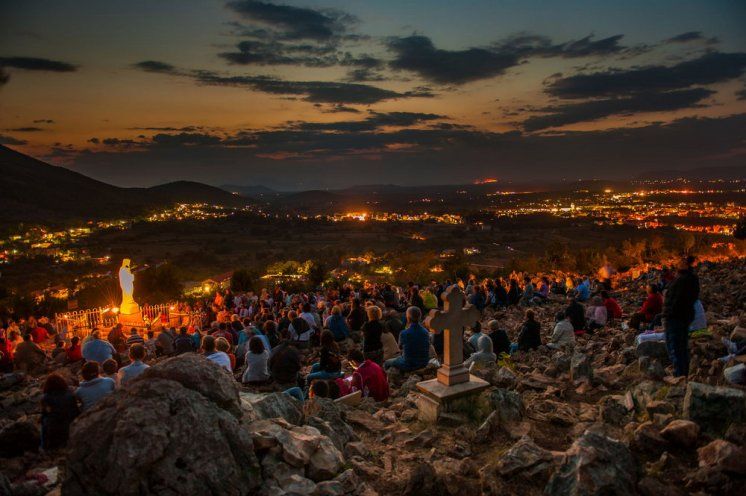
(740, 230)
(242, 280)
(316, 273)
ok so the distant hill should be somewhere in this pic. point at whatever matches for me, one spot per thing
(704, 173)
(251, 191)
(36, 192)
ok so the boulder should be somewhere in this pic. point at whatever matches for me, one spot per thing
(580, 367)
(647, 438)
(274, 405)
(714, 408)
(736, 374)
(723, 455)
(298, 443)
(614, 411)
(424, 481)
(159, 436)
(653, 349)
(325, 463)
(595, 464)
(508, 404)
(682, 433)
(19, 437)
(526, 460)
(195, 372)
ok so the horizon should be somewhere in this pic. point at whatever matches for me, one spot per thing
(327, 95)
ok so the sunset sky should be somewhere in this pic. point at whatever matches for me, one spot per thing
(300, 94)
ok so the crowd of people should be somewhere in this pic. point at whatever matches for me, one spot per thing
(337, 342)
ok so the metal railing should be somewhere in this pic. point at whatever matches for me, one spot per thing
(82, 322)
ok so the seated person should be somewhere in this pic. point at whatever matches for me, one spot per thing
(471, 343)
(256, 362)
(576, 313)
(136, 367)
(29, 357)
(414, 342)
(390, 346)
(58, 410)
(529, 336)
(59, 357)
(284, 363)
(563, 333)
(613, 310)
(484, 355)
(183, 342)
(222, 344)
(499, 337)
(74, 351)
(97, 349)
(109, 369)
(211, 353)
(300, 330)
(652, 306)
(337, 324)
(93, 388)
(596, 314)
(368, 377)
(329, 365)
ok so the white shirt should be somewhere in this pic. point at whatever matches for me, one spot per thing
(222, 359)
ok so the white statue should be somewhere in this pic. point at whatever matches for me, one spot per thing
(127, 283)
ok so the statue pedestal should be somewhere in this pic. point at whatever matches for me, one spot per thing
(435, 397)
(131, 319)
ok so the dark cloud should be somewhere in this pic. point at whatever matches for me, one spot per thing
(374, 121)
(741, 94)
(336, 109)
(10, 140)
(363, 75)
(560, 115)
(43, 121)
(181, 139)
(29, 129)
(294, 22)
(36, 64)
(312, 91)
(166, 128)
(320, 159)
(155, 66)
(418, 54)
(711, 68)
(692, 36)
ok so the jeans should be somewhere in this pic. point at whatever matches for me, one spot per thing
(317, 373)
(677, 343)
(400, 364)
(296, 393)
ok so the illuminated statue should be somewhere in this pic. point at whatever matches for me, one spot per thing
(127, 283)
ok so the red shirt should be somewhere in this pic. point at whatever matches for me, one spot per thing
(74, 353)
(371, 380)
(612, 308)
(653, 306)
(39, 335)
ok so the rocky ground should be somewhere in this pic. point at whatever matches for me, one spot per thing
(603, 418)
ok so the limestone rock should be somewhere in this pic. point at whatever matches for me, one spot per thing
(681, 432)
(647, 438)
(580, 367)
(167, 438)
(714, 408)
(525, 459)
(595, 464)
(274, 405)
(724, 455)
(325, 463)
(508, 404)
(19, 437)
(195, 372)
(653, 349)
(614, 411)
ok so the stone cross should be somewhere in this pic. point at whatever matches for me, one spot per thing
(456, 314)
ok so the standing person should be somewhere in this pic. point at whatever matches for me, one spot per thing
(372, 330)
(58, 410)
(678, 314)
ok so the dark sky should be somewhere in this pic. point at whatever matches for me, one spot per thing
(300, 94)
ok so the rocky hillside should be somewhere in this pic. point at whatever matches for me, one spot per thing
(603, 418)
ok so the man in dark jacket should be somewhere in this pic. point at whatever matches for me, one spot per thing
(576, 312)
(678, 313)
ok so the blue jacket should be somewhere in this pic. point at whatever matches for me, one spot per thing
(415, 344)
(90, 392)
(98, 350)
(338, 326)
